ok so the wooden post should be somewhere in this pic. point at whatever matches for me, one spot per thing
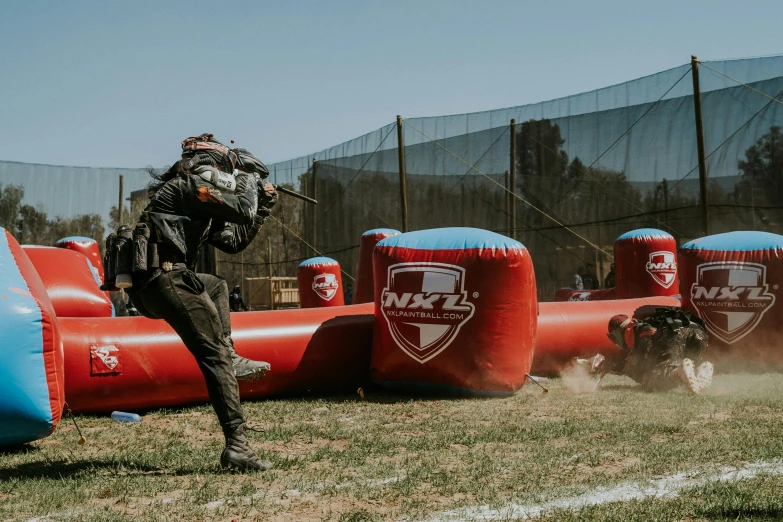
(705, 212)
(119, 205)
(512, 177)
(509, 225)
(403, 183)
(269, 271)
(315, 207)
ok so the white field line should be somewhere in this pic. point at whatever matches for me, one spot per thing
(660, 488)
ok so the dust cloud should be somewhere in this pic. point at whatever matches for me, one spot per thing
(577, 378)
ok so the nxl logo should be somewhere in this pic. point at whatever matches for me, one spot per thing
(662, 267)
(731, 297)
(425, 305)
(325, 285)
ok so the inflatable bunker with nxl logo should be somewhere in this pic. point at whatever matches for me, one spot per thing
(31, 352)
(645, 266)
(733, 282)
(320, 283)
(455, 312)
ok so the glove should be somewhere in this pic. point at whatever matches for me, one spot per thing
(267, 197)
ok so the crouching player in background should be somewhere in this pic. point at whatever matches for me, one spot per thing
(660, 352)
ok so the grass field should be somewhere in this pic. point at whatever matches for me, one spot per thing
(610, 455)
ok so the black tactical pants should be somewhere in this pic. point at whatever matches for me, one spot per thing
(196, 307)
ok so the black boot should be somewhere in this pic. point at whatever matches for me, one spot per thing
(238, 455)
(246, 369)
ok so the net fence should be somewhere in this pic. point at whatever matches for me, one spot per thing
(582, 170)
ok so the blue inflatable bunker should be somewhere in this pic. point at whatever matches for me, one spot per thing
(31, 352)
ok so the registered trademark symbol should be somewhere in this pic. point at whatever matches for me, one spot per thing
(475, 294)
(775, 287)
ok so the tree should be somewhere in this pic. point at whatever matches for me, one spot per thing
(542, 166)
(33, 226)
(10, 203)
(762, 169)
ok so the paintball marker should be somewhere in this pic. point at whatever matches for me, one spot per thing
(294, 194)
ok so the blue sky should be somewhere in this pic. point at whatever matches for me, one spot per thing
(120, 84)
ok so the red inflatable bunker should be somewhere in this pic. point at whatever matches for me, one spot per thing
(132, 363)
(646, 264)
(455, 311)
(363, 291)
(87, 246)
(578, 329)
(31, 352)
(733, 282)
(320, 283)
(71, 282)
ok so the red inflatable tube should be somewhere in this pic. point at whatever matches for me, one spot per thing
(578, 329)
(72, 284)
(134, 363)
(570, 294)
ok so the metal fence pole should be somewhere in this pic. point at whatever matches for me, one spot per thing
(315, 196)
(269, 271)
(119, 205)
(508, 205)
(512, 178)
(403, 183)
(705, 212)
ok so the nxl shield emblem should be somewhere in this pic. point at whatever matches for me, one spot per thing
(425, 306)
(326, 286)
(731, 297)
(662, 267)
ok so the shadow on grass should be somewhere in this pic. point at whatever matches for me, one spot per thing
(20, 449)
(749, 513)
(63, 469)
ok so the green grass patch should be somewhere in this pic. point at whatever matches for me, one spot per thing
(401, 457)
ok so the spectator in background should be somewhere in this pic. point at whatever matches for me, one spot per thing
(348, 293)
(578, 283)
(609, 281)
(589, 279)
(235, 301)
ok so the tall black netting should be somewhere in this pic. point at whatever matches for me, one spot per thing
(587, 168)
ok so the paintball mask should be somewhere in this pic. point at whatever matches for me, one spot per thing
(247, 162)
(617, 325)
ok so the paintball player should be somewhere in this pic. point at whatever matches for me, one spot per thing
(235, 300)
(216, 195)
(660, 352)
